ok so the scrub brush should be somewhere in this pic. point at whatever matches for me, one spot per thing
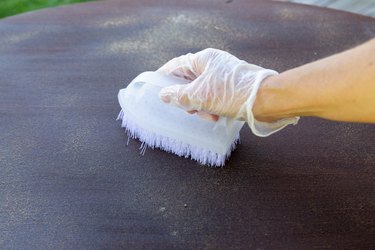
(159, 125)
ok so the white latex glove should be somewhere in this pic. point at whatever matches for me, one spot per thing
(221, 85)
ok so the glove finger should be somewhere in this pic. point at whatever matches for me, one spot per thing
(192, 111)
(207, 116)
(204, 115)
(182, 66)
(176, 95)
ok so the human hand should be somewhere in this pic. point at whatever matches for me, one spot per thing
(221, 85)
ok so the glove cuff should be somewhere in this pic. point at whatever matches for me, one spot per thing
(259, 128)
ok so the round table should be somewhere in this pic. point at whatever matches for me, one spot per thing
(69, 181)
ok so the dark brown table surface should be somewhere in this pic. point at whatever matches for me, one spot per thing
(68, 180)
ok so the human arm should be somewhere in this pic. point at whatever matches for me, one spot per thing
(340, 87)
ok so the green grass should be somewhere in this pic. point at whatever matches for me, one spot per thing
(13, 7)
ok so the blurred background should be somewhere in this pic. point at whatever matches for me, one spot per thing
(13, 7)
(364, 7)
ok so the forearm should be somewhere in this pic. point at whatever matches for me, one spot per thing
(340, 87)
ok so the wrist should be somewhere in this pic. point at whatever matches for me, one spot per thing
(261, 118)
(263, 108)
(274, 101)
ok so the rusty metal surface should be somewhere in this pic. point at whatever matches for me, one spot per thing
(68, 180)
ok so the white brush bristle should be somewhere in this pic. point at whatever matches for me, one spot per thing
(153, 140)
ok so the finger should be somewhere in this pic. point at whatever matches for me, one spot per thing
(215, 118)
(176, 95)
(182, 66)
(207, 116)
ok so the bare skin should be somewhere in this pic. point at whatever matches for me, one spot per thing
(340, 87)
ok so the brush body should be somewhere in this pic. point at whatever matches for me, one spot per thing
(160, 125)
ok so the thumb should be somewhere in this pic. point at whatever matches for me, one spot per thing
(176, 95)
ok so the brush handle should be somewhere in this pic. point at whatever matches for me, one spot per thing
(158, 79)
